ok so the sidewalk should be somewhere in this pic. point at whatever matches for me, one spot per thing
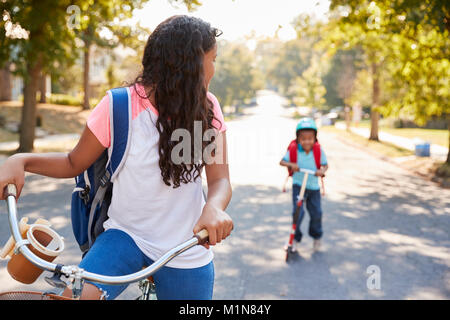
(436, 151)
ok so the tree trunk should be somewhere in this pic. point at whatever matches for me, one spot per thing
(28, 122)
(87, 50)
(347, 118)
(374, 115)
(5, 83)
(43, 88)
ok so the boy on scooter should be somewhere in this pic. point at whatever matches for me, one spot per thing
(305, 152)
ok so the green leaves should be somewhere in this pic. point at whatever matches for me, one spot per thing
(236, 78)
(55, 26)
(49, 40)
(307, 90)
(409, 43)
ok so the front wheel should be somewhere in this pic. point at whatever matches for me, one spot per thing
(288, 251)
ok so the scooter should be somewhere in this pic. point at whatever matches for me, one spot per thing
(297, 211)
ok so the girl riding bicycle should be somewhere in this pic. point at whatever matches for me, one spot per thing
(156, 202)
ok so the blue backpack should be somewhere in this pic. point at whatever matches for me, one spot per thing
(92, 194)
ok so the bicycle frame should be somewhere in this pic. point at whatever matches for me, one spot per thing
(78, 275)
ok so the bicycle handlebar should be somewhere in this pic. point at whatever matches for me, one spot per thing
(74, 271)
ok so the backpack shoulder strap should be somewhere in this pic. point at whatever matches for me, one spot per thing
(293, 151)
(292, 154)
(317, 154)
(120, 125)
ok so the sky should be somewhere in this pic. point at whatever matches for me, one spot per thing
(238, 18)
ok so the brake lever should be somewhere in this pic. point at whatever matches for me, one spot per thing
(55, 280)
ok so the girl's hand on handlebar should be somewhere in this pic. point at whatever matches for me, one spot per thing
(217, 222)
(12, 171)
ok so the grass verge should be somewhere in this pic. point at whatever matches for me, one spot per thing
(56, 119)
(434, 136)
(427, 168)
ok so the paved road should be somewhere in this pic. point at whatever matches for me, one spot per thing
(375, 214)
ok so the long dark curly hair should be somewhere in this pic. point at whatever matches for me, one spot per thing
(173, 69)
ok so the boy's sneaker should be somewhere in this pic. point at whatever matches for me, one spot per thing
(316, 244)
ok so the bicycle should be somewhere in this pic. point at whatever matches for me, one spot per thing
(77, 275)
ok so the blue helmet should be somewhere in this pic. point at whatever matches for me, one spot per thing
(306, 123)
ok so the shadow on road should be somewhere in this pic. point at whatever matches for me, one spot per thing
(404, 234)
(406, 237)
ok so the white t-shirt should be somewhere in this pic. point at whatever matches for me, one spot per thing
(158, 217)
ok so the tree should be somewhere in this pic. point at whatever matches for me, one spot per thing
(290, 63)
(36, 40)
(416, 64)
(5, 83)
(99, 23)
(361, 93)
(364, 25)
(308, 90)
(420, 76)
(39, 36)
(329, 80)
(266, 50)
(236, 77)
(102, 17)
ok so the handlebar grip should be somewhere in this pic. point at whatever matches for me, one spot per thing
(10, 190)
(202, 236)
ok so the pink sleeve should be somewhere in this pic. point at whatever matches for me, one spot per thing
(220, 122)
(98, 122)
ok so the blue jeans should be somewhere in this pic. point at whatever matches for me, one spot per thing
(312, 201)
(115, 253)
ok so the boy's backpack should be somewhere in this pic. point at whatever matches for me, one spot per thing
(293, 154)
(92, 194)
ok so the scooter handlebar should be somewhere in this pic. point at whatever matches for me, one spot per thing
(307, 171)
